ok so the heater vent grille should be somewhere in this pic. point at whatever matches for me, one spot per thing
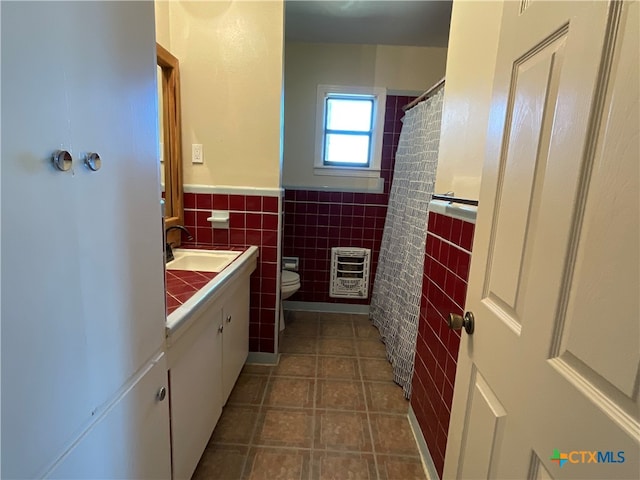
(350, 269)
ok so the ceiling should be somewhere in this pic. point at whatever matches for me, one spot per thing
(417, 22)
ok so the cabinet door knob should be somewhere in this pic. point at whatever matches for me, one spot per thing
(229, 319)
(220, 328)
(162, 393)
(62, 160)
(92, 161)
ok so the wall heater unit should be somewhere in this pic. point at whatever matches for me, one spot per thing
(350, 272)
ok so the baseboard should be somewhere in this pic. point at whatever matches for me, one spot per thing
(263, 358)
(326, 307)
(427, 461)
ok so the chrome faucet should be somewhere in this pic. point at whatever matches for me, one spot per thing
(168, 246)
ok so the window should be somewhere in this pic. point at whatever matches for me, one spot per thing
(349, 126)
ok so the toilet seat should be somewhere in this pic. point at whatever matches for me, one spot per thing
(289, 278)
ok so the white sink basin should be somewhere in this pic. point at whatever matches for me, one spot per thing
(201, 260)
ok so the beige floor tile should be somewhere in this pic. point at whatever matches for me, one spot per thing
(290, 392)
(370, 347)
(335, 317)
(296, 365)
(342, 431)
(285, 428)
(236, 425)
(376, 369)
(255, 369)
(338, 367)
(342, 466)
(366, 331)
(303, 345)
(249, 389)
(277, 464)
(221, 462)
(333, 328)
(297, 316)
(336, 346)
(385, 397)
(301, 328)
(392, 435)
(400, 468)
(340, 395)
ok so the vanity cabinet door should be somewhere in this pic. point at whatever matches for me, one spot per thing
(236, 336)
(130, 441)
(195, 373)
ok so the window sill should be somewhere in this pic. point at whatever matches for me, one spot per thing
(347, 172)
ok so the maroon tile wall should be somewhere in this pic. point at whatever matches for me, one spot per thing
(444, 288)
(315, 221)
(253, 220)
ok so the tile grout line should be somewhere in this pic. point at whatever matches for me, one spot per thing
(251, 443)
(369, 423)
(314, 420)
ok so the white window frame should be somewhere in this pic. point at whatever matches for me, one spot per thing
(379, 103)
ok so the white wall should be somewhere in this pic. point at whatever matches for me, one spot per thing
(467, 98)
(408, 69)
(231, 55)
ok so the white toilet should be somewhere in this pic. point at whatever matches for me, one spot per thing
(289, 284)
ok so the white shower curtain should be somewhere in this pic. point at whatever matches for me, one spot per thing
(395, 301)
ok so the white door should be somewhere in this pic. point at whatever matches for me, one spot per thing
(547, 386)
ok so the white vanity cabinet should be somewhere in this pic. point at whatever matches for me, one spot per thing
(195, 371)
(235, 338)
(206, 353)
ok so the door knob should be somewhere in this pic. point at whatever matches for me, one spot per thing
(456, 322)
(162, 393)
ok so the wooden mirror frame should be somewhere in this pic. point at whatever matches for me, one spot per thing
(172, 133)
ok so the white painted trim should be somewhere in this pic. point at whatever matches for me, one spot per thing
(325, 307)
(467, 213)
(404, 93)
(263, 358)
(361, 172)
(233, 190)
(427, 462)
(379, 188)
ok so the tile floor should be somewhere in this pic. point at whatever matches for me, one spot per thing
(329, 410)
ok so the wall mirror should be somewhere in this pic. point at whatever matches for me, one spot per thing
(170, 135)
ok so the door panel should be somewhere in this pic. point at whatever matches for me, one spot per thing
(555, 272)
(523, 161)
(538, 470)
(484, 428)
(605, 279)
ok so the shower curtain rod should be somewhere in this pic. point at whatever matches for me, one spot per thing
(463, 201)
(425, 95)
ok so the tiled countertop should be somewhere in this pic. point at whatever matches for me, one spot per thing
(181, 285)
